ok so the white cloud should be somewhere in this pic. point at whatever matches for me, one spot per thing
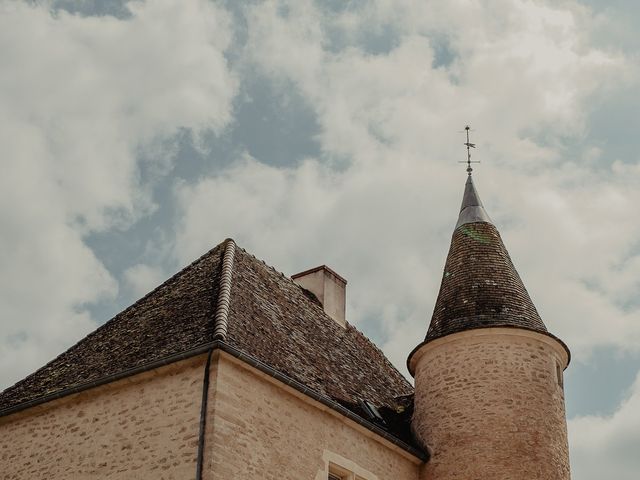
(141, 279)
(386, 220)
(607, 447)
(573, 239)
(80, 97)
(521, 64)
(526, 78)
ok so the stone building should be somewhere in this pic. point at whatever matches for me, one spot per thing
(230, 370)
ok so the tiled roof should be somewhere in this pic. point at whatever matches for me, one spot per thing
(480, 286)
(276, 319)
(269, 318)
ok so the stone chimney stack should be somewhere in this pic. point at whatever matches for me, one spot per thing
(328, 287)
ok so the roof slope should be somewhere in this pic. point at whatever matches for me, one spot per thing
(175, 317)
(278, 322)
(270, 318)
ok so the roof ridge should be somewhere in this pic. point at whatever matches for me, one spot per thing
(224, 293)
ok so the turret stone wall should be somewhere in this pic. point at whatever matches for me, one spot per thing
(489, 405)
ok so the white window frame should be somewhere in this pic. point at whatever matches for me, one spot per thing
(343, 468)
(559, 375)
(342, 473)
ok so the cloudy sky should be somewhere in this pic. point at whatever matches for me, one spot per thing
(134, 136)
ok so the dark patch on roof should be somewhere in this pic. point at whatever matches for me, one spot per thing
(271, 318)
(480, 286)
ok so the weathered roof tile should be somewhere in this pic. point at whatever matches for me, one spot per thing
(270, 318)
(480, 286)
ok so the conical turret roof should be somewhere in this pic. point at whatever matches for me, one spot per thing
(480, 286)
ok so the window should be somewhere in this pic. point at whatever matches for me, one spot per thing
(340, 473)
(337, 467)
(559, 375)
(372, 412)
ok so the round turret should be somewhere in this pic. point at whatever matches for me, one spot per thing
(489, 400)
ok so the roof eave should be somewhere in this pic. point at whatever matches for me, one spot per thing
(430, 339)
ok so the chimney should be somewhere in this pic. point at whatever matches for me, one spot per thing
(328, 287)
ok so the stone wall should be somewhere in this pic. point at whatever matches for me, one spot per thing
(490, 406)
(142, 427)
(146, 427)
(258, 428)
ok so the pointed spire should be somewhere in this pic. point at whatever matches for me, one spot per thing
(472, 209)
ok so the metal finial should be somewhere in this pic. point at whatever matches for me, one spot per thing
(469, 147)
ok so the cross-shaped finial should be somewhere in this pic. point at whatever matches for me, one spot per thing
(469, 147)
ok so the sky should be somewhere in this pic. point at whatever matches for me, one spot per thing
(135, 136)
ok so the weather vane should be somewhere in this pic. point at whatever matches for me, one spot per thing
(469, 147)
